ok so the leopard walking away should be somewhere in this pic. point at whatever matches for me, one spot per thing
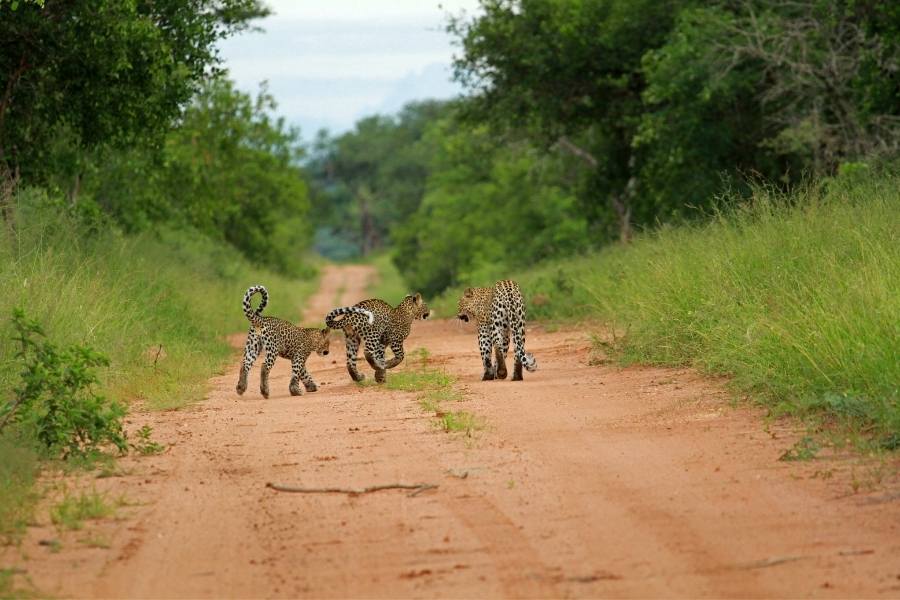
(278, 338)
(499, 312)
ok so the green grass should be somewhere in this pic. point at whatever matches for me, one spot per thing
(460, 422)
(159, 306)
(418, 380)
(796, 298)
(127, 296)
(73, 510)
(435, 387)
(18, 469)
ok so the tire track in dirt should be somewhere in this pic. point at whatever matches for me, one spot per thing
(588, 481)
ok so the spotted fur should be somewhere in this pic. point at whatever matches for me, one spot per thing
(388, 327)
(278, 338)
(499, 312)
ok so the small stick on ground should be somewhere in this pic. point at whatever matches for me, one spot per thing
(417, 487)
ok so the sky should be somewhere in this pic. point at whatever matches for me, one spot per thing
(329, 63)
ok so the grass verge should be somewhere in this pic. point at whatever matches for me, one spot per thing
(795, 297)
(159, 306)
(73, 510)
(18, 468)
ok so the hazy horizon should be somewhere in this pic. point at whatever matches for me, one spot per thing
(330, 65)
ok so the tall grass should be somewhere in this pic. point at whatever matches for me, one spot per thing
(795, 297)
(159, 306)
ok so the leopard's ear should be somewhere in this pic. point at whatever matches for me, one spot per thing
(326, 331)
(469, 292)
(418, 298)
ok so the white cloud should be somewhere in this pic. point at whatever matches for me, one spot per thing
(329, 63)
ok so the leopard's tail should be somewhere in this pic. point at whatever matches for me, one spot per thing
(255, 315)
(526, 359)
(529, 362)
(333, 323)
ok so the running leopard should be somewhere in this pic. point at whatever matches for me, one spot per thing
(499, 312)
(389, 327)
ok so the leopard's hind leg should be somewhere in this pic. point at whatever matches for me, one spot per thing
(352, 350)
(251, 351)
(296, 374)
(523, 358)
(484, 345)
(500, 338)
(268, 363)
(375, 356)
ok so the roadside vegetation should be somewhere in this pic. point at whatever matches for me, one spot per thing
(140, 195)
(796, 297)
(717, 182)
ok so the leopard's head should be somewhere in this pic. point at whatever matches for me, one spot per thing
(323, 341)
(415, 305)
(474, 304)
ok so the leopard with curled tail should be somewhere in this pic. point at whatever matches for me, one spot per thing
(278, 338)
(375, 324)
(499, 312)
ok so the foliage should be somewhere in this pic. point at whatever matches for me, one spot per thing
(159, 305)
(567, 73)
(369, 179)
(588, 120)
(55, 399)
(72, 511)
(489, 208)
(793, 296)
(460, 421)
(230, 171)
(805, 448)
(111, 72)
(144, 444)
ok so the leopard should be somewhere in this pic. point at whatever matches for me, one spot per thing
(389, 328)
(278, 338)
(498, 312)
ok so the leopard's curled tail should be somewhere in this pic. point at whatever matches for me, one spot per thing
(333, 323)
(255, 315)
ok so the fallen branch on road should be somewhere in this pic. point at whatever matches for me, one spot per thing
(418, 487)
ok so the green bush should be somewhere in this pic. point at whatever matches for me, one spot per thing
(55, 400)
(159, 306)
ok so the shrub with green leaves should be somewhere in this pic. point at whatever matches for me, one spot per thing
(54, 400)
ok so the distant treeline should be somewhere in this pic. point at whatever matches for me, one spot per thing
(586, 120)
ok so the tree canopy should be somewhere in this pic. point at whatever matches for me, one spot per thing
(107, 71)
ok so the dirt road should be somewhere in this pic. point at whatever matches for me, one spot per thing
(587, 481)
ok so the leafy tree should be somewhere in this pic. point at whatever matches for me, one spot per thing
(825, 72)
(230, 170)
(490, 208)
(567, 73)
(108, 71)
